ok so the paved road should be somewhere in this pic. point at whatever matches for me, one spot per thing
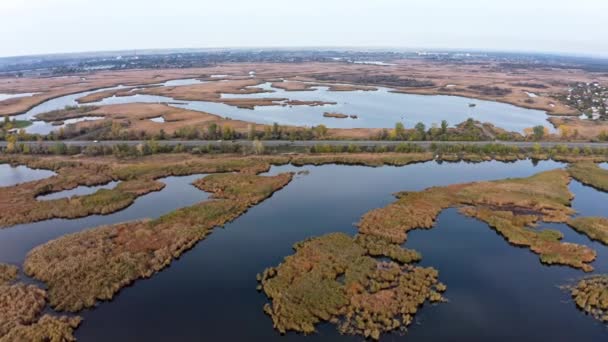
(309, 143)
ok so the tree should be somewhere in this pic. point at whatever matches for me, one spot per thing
(320, 131)
(399, 131)
(538, 132)
(444, 126)
(276, 131)
(212, 130)
(421, 129)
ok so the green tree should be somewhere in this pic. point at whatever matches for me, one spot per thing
(421, 130)
(444, 126)
(399, 131)
(538, 132)
(320, 131)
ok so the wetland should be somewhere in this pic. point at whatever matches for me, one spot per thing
(357, 271)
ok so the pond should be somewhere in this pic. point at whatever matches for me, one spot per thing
(78, 191)
(381, 108)
(11, 175)
(12, 96)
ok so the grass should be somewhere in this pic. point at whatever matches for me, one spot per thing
(366, 159)
(590, 174)
(82, 268)
(596, 228)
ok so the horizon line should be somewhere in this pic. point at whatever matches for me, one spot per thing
(354, 48)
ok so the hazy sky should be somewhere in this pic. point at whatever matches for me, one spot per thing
(48, 26)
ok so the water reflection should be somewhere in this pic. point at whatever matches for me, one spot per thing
(12, 175)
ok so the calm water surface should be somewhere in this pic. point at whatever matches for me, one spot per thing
(375, 109)
(10, 175)
(179, 192)
(496, 291)
(78, 191)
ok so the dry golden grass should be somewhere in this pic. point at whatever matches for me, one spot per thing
(590, 174)
(8, 273)
(596, 228)
(19, 304)
(136, 117)
(100, 95)
(95, 264)
(48, 328)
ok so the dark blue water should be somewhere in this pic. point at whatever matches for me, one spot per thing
(496, 291)
(16, 241)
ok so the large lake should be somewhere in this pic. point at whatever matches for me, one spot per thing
(496, 291)
(375, 109)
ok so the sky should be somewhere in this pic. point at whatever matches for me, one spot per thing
(58, 26)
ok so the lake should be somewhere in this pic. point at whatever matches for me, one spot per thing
(496, 291)
(374, 109)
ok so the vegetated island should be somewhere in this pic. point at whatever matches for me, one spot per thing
(511, 206)
(591, 296)
(21, 306)
(82, 268)
(336, 278)
(596, 228)
(590, 174)
(339, 115)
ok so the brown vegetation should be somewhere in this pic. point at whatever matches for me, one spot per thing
(367, 159)
(335, 115)
(8, 273)
(331, 278)
(596, 228)
(590, 174)
(100, 95)
(95, 264)
(20, 309)
(510, 206)
(137, 178)
(591, 296)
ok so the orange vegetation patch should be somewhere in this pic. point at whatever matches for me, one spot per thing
(331, 278)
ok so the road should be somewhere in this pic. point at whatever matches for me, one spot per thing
(310, 143)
